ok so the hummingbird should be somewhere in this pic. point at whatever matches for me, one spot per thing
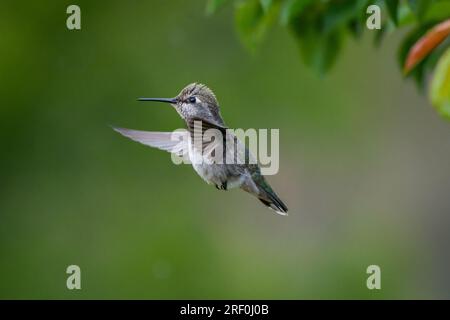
(195, 104)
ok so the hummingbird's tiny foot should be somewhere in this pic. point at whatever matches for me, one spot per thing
(223, 186)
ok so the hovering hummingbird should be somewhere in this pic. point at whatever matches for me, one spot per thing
(196, 103)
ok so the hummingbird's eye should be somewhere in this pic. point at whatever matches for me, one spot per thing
(192, 99)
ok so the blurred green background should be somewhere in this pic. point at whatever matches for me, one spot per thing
(364, 163)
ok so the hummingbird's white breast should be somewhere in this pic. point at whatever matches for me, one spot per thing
(212, 172)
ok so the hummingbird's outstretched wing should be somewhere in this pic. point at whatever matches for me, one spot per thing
(174, 142)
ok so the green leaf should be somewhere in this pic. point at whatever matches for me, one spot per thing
(438, 11)
(419, 7)
(405, 15)
(440, 86)
(319, 51)
(356, 28)
(252, 22)
(213, 5)
(291, 9)
(341, 13)
(266, 4)
(392, 8)
(379, 36)
(437, 53)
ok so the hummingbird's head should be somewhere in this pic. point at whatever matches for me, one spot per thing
(194, 101)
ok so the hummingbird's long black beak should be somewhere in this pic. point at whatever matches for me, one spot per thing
(166, 100)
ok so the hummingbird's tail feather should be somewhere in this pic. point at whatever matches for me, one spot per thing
(259, 187)
(270, 199)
